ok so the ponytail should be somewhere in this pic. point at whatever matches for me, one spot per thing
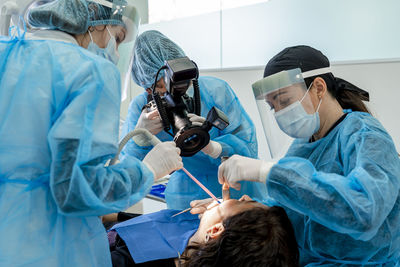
(350, 100)
(348, 95)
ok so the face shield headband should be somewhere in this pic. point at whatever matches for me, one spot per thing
(284, 79)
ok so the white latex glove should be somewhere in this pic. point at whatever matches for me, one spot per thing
(213, 149)
(196, 120)
(150, 121)
(238, 168)
(163, 159)
(200, 206)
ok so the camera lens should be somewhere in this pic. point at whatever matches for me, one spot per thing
(191, 142)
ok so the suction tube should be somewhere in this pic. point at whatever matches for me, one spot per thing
(146, 138)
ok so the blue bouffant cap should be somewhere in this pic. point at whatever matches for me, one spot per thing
(152, 49)
(73, 16)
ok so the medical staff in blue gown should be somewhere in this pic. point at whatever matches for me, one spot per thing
(339, 181)
(151, 51)
(59, 106)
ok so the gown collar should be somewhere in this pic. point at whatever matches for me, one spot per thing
(52, 35)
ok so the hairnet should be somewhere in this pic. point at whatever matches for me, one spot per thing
(72, 16)
(152, 49)
(101, 15)
(307, 58)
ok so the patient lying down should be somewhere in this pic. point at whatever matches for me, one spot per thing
(235, 233)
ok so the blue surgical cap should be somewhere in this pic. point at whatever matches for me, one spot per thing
(73, 16)
(151, 50)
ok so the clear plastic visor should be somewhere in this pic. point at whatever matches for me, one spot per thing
(281, 92)
(125, 49)
(285, 88)
(131, 21)
(283, 98)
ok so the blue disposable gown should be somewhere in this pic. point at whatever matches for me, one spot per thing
(238, 138)
(59, 107)
(342, 194)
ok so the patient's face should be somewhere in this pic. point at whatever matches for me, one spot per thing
(225, 210)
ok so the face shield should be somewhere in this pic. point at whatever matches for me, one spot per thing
(125, 11)
(286, 108)
(75, 17)
(12, 10)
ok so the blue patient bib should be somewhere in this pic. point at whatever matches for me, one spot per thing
(156, 235)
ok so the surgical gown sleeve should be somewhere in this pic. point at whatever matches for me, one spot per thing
(356, 198)
(83, 136)
(240, 136)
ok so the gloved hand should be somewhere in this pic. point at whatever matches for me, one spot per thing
(196, 120)
(150, 121)
(213, 149)
(163, 159)
(238, 168)
(200, 206)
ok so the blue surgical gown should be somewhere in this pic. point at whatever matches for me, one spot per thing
(342, 195)
(238, 138)
(59, 107)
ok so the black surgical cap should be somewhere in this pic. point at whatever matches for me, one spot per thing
(307, 58)
(304, 57)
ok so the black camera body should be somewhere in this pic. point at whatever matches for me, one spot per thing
(175, 105)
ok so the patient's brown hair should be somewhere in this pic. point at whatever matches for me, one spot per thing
(256, 237)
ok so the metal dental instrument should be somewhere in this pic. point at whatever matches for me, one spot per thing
(183, 211)
(198, 205)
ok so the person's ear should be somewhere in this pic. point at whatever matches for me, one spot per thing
(148, 90)
(319, 85)
(215, 231)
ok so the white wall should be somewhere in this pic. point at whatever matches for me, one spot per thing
(198, 36)
(241, 81)
(342, 29)
(379, 79)
(250, 35)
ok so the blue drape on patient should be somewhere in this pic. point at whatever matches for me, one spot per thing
(157, 235)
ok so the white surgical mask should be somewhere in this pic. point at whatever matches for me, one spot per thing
(296, 122)
(110, 52)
